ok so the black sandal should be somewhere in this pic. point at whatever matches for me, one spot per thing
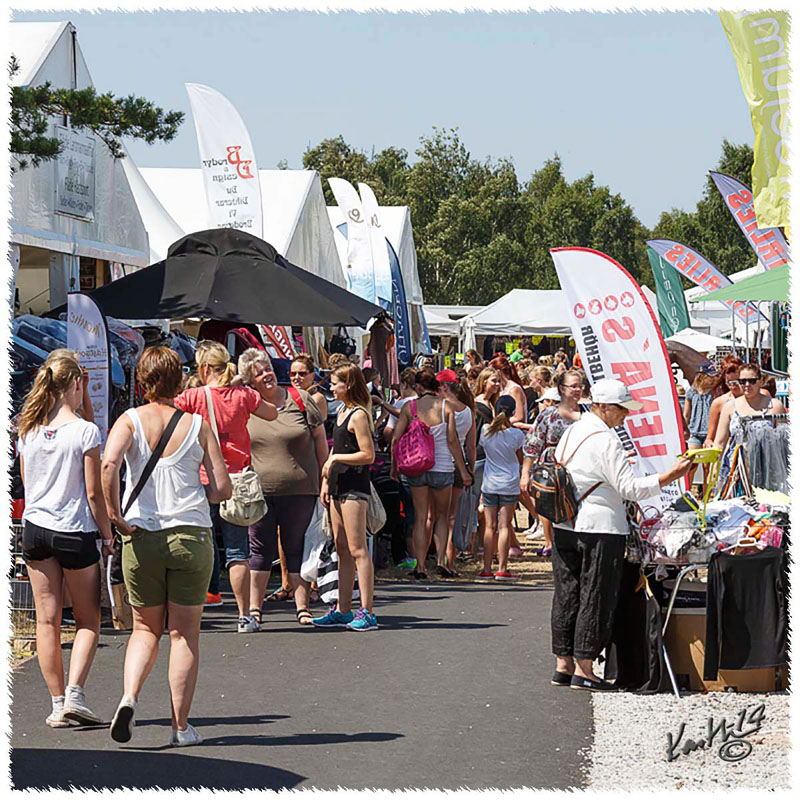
(304, 617)
(255, 613)
(280, 595)
(419, 575)
(445, 572)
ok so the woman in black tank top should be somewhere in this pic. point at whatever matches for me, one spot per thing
(345, 491)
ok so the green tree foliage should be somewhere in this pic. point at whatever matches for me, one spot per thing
(109, 118)
(711, 228)
(480, 231)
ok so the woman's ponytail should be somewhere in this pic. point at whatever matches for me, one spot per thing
(50, 383)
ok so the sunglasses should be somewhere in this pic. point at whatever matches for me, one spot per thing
(298, 374)
(734, 382)
(749, 381)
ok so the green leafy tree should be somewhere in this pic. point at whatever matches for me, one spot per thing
(110, 118)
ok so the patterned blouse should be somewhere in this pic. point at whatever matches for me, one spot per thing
(547, 430)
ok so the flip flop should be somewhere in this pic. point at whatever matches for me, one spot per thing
(280, 595)
(313, 596)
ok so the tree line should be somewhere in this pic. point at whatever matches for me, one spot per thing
(480, 230)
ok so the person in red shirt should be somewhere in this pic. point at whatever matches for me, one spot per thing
(233, 406)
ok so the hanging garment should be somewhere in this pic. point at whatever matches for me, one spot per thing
(746, 611)
(767, 449)
(635, 656)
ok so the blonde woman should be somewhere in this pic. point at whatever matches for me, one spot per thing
(84, 409)
(64, 511)
(346, 491)
(233, 406)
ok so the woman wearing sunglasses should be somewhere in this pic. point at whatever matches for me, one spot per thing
(301, 375)
(752, 403)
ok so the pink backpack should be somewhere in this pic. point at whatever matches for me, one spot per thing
(415, 452)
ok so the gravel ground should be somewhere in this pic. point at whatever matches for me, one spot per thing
(630, 742)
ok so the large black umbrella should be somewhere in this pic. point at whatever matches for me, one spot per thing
(231, 275)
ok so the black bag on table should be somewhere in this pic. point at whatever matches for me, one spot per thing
(342, 343)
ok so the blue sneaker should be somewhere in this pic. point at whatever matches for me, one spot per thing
(364, 621)
(333, 619)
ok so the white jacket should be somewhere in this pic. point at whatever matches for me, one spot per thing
(601, 458)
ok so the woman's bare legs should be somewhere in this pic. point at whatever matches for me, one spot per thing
(184, 660)
(148, 626)
(84, 586)
(421, 497)
(349, 520)
(441, 516)
(451, 521)
(490, 527)
(46, 581)
(504, 522)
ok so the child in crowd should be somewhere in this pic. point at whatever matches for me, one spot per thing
(502, 444)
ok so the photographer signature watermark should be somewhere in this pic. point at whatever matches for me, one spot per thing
(733, 746)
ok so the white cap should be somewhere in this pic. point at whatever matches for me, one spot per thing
(615, 392)
(551, 393)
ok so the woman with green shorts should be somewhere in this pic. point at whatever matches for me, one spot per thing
(167, 550)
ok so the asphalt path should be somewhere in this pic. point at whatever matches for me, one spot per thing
(452, 692)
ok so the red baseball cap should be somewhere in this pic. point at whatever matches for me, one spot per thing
(447, 376)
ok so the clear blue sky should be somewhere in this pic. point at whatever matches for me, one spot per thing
(643, 100)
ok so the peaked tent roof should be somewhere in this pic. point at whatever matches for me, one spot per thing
(47, 51)
(522, 312)
(295, 220)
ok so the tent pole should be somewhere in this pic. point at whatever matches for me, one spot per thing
(747, 333)
(733, 331)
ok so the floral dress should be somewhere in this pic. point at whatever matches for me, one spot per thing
(547, 431)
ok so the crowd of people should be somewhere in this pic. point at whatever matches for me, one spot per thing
(182, 452)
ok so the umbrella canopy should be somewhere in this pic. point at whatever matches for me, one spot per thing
(698, 341)
(688, 359)
(231, 275)
(771, 285)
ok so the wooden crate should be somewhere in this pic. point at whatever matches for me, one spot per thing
(685, 640)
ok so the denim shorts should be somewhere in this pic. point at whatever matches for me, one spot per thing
(236, 538)
(436, 480)
(694, 441)
(493, 500)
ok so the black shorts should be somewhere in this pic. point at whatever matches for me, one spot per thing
(72, 550)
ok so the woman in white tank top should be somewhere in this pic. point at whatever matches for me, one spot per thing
(431, 491)
(167, 554)
(459, 397)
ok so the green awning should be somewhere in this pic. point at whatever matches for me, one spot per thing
(772, 285)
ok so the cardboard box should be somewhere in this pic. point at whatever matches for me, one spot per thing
(685, 641)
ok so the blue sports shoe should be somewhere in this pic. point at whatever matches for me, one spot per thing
(364, 621)
(408, 563)
(333, 619)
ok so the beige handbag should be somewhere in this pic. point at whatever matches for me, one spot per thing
(376, 513)
(246, 505)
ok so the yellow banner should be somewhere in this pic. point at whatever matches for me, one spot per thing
(759, 42)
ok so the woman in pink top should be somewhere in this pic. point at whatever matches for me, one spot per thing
(233, 406)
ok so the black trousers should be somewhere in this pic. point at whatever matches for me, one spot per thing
(587, 570)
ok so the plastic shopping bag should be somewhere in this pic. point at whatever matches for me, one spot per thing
(315, 539)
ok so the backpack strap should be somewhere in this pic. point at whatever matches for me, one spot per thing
(564, 463)
(588, 492)
(413, 405)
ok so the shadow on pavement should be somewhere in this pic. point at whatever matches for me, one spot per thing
(67, 769)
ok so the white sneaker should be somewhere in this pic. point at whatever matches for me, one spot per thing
(123, 723)
(248, 625)
(56, 718)
(185, 738)
(534, 534)
(75, 707)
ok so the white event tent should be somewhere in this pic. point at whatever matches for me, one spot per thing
(445, 320)
(106, 226)
(521, 312)
(295, 219)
